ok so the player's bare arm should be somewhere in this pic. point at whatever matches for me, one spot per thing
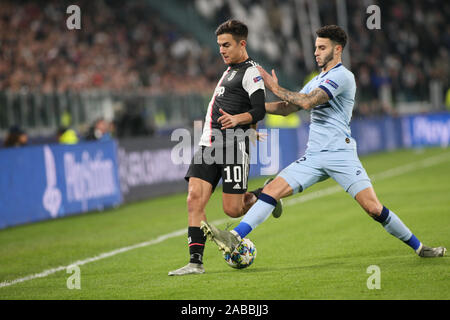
(255, 114)
(229, 121)
(282, 108)
(301, 100)
(304, 101)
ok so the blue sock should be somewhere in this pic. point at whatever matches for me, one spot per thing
(257, 214)
(413, 242)
(397, 228)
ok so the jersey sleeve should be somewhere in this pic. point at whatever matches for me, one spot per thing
(258, 109)
(334, 84)
(305, 89)
(252, 80)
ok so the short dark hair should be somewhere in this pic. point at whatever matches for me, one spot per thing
(334, 33)
(236, 28)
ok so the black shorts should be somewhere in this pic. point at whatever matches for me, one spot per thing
(229, 163)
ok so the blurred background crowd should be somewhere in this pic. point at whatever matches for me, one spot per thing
(402, 59)
(121, 46)
(133, 48)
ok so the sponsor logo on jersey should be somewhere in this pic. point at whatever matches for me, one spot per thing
(219, 91)
(237, 186)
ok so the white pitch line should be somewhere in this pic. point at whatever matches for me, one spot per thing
(102, 256)
(314, 195)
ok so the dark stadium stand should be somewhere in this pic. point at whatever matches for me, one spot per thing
(169, 65)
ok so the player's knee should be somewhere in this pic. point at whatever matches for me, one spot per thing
(193, 199)
(233, 211)
(278, 189)
(369, 202)
(373, 208)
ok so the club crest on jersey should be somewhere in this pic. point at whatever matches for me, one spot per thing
(256, 79)
(232, 75)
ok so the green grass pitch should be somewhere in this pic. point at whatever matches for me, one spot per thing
(320, 248)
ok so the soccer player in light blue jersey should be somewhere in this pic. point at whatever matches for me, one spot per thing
(331, 151)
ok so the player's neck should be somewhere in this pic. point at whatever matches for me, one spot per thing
(331, 65)
(243, 58)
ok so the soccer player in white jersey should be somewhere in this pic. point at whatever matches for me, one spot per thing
(238, 103)
(331, 151)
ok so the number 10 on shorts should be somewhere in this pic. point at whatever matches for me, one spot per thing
(237, 174)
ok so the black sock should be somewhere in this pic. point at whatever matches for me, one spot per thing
(196, 241)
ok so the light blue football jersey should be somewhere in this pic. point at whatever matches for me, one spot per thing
(330, 122)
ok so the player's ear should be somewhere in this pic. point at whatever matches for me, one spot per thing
(243, 43)
(334, 50)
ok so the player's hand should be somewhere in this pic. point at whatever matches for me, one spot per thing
(260, 136)
(227, 120)
(270, 81)
(257, 136)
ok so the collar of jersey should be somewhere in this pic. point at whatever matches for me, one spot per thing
(239, 64)
(336, 66)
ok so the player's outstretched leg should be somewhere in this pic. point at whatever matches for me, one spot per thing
(276, 213)
(228, 240)
(225, 240)
(258, 213)
(394, 225)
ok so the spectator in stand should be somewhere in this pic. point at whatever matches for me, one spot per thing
(16, 138)
(99, 131)
(67, 136)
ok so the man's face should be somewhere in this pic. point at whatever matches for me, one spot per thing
(325, 51)
(102, 126)
(231, 50)
(23, 139)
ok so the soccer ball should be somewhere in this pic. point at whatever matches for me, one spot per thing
(242, 256)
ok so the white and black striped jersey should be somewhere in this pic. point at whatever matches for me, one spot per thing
(233, 94)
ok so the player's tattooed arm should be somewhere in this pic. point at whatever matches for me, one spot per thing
(282, 108)
(301, 100)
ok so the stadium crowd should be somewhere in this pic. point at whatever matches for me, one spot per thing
(410, 50)
(121, 46)
(127, 47)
